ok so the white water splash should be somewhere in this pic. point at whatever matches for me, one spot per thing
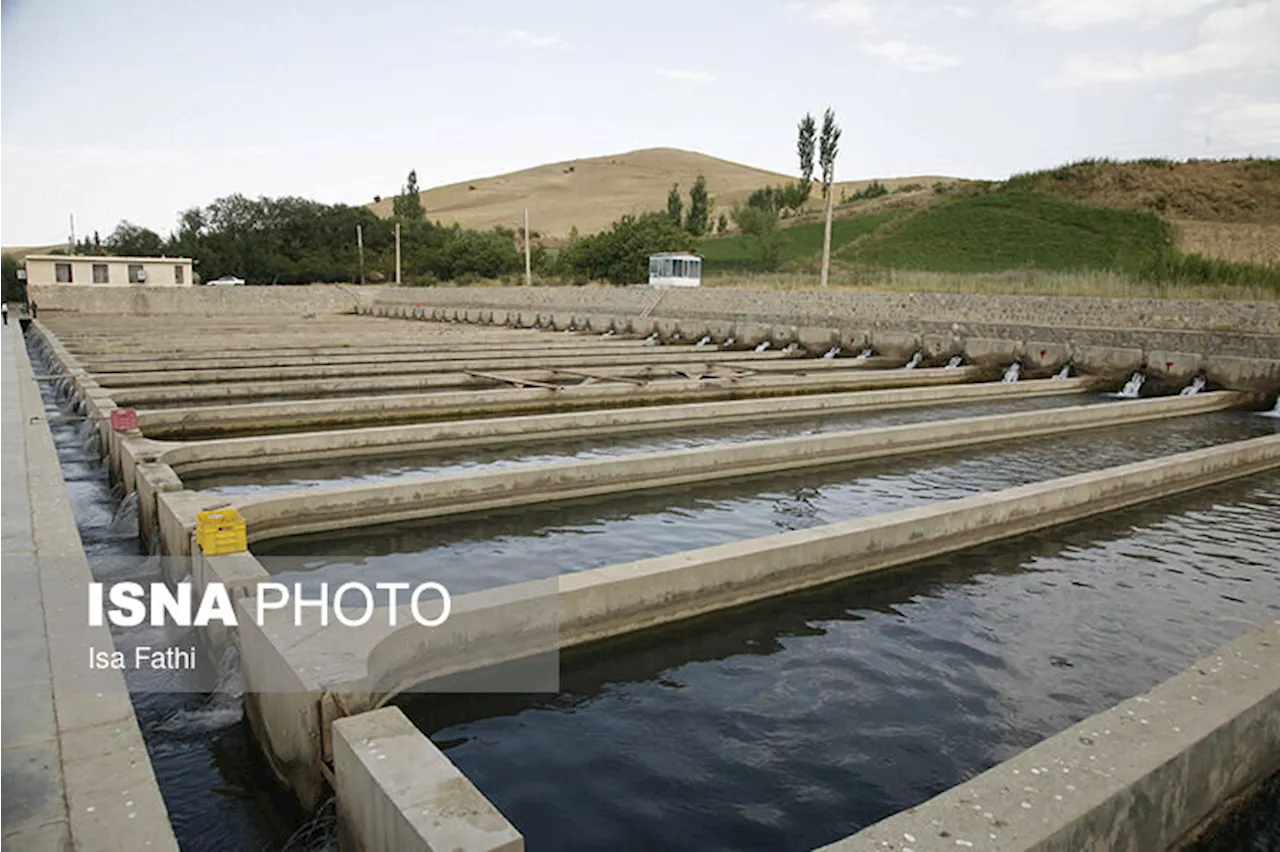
(1064, 373)
(1274, 412)
(954, 362)
(791, 347)
(727, 343)
(704, 341)
(125, 519)
(1197, 385)
(865, 353)
(763, 346)
(1133, 388)
(1012, 373)
(831, 353)
(914, 362)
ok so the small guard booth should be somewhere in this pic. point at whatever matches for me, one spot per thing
(675, 270)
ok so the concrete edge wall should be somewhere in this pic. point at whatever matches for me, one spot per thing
(1138, 776)
(827, 307)
(209, 301)
(101, 748)
(362, 669)
(351, 411)
(1237, 360)
(323, 509)
(610, 601)
(483, 375)
(196, 457)
(397, 792)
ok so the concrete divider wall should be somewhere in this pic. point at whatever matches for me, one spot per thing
(1104, 336)
(838, 306)
(1139, 776)
(397, 792)
(338, 507)
(361, 669)
(274, 515)
(71, 738)
(207, 421)
(223, 301)
(273, 450)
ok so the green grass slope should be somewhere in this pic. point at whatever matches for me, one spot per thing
(740, 254)
(990, 233)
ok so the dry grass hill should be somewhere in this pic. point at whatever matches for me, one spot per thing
(1227, 209)
(591, 193)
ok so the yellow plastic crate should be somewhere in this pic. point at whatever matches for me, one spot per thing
(220, 531)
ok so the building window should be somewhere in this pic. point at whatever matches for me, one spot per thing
(62, 273)
(136, 275)
(177, 274)
(100, 274)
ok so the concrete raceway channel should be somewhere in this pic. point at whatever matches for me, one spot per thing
(232, 393)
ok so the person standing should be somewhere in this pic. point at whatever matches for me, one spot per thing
(5, 309)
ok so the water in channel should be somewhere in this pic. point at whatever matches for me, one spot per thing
(353, 471)
(792, 723)
(471, 553)
(219, 793)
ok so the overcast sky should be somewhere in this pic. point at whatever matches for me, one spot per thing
(137, 109)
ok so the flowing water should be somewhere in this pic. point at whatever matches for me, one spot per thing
(219, 793)
(376, 469)
(795, 722)
(1133, 388)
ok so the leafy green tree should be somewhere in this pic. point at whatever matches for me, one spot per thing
(487, 254)
(828, 147)
(14, 289)
(804, 147)
(621, 254)
(722, 224)
(407, 206)
(135, 241)
(675, 207)
(760, 223)
(698, 220)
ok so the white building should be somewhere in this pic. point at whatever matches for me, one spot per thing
(108, 271)
(675, 270)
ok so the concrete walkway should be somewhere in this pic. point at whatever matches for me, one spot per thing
(75, 769)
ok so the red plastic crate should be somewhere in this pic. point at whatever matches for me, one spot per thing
(124, 419)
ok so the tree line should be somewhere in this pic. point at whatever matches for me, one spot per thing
(292, 240)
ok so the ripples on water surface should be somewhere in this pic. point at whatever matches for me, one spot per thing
(218, 791)
(790, 724)
(380, 469)
(541, 541)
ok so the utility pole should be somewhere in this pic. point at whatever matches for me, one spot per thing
(528, 268)
(360, 246)
(397, 252)
(71, 240)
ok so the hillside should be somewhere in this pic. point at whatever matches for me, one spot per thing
(1226, 209)
(20, 252)
(591, 193)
